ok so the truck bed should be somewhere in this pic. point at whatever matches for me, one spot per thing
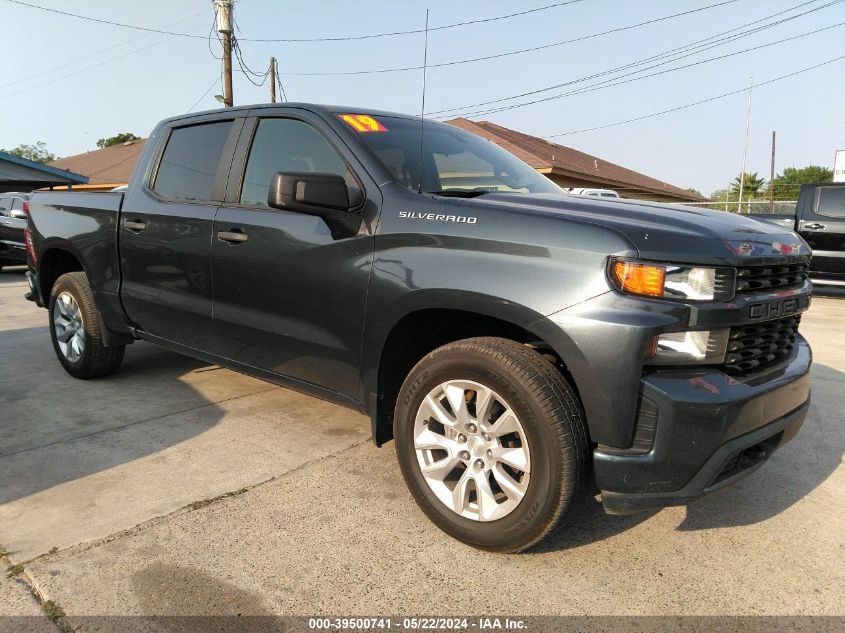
(84, 224)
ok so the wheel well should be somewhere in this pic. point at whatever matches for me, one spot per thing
(417, 334)
(54, 264)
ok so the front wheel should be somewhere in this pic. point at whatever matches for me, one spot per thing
(492, 442)
(76, 329)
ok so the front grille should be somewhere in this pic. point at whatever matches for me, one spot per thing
(757, 344)
(765, 278)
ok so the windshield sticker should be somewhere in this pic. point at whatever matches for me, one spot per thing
(362, 123)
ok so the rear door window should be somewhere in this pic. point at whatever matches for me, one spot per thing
(832, 202)
(5, 204)
(191, 160)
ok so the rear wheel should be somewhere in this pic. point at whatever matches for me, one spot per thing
(492, 442)
(76, 329)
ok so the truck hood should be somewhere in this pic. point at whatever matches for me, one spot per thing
(663, 232)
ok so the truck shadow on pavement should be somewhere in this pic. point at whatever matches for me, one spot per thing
(55, 428)
(791, 474)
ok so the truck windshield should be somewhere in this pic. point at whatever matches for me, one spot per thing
(454, 161)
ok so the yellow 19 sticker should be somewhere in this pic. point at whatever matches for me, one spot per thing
(362, 123)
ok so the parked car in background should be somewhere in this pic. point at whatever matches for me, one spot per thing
(599, 193)
(820, 219)
(13, 210)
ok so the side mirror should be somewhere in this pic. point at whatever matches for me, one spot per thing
(323, 195)
(17, 214)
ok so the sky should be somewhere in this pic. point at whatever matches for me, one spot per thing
(69, 82)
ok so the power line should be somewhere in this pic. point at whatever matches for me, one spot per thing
(204, 94)
(517, 52)
(695, 103)
(291, 40)
(613, 81)
(101, 21)
(703, 44)
(84, 57)
(414, 31)
(279, 80)
(248, 72)
(87, 68)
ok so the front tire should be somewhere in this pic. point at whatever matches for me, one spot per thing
(492, 442)
(76, 329)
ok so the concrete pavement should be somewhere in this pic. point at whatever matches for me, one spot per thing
(320, 522)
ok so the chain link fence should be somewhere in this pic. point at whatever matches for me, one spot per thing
(781, 207)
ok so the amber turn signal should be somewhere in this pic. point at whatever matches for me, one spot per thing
(639, 279)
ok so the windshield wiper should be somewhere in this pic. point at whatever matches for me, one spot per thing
(460, 193)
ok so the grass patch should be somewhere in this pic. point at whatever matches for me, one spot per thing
(3, 551)
(52, 610)
(15, 570)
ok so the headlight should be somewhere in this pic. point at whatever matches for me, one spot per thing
(672, 281)
(705, 347)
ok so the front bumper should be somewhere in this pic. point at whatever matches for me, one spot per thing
(705, 429)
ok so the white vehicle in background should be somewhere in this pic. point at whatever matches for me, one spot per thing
(601, 193)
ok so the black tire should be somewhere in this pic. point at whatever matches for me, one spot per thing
(552, 419)
(96, 359)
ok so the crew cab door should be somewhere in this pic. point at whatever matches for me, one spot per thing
(289, 288)
(166, 230)
(822, 225)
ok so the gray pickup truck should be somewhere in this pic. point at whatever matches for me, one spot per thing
(514, 341)
(819, 218)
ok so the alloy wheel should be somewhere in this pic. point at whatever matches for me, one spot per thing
(70, 329)
(472, 450)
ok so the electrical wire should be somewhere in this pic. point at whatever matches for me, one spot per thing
(613, 81)
(204, 94)
(101, 21)
(520, 51)
(681, 51)
(254, 77)
(53, 69)
(279, 81)
(87, 68)
(415, 31)
(696, 103)
(315, 39)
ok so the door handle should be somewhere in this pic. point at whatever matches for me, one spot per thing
(235, 236)
(134, 225)
(815, 226)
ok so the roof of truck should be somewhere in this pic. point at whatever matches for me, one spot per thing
(317, 107)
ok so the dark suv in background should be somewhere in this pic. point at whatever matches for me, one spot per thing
(13, 210)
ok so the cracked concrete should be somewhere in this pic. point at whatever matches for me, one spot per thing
(325, 525)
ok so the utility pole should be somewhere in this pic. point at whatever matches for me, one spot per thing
(745, 147)
(772, 178)
(224, 26)
(272, 80)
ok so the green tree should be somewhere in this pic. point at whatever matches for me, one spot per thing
(751, 186)
(117, 139)
(789, 182)
(695, 191)
(37, 152)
